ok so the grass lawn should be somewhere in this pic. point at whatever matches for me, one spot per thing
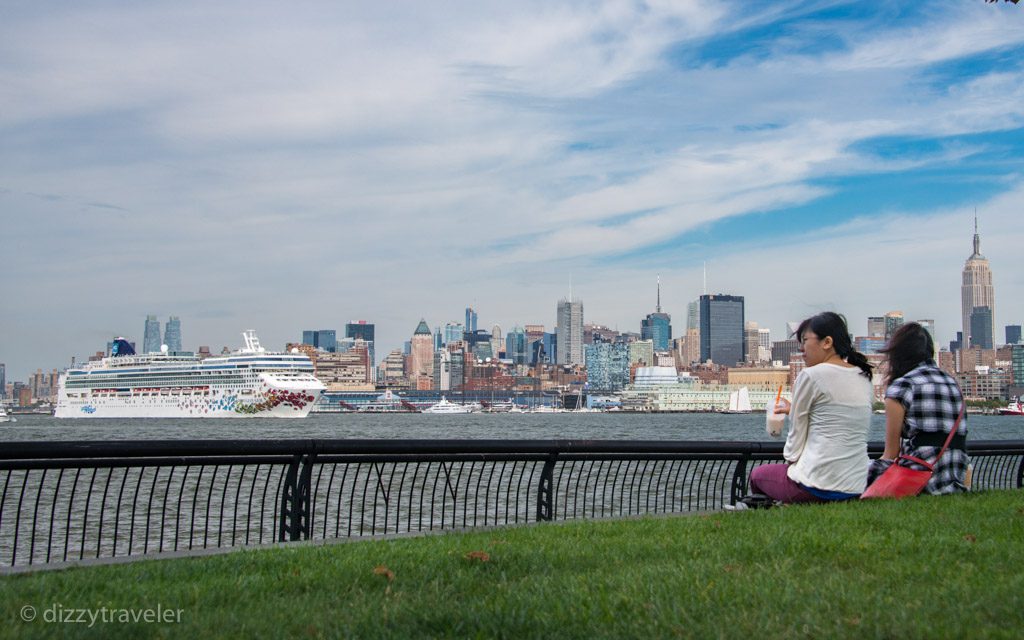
(929, 567)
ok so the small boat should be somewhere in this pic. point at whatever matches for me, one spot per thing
(1015, 408)
(4, 417)
(445, 406)
(739, 402)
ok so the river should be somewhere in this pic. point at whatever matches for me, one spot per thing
(476, 426)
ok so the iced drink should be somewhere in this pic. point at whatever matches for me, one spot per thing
(774, 421)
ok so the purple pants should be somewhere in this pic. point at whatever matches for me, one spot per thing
(771, 480)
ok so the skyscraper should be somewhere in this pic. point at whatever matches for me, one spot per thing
(323, 339)
(976, 290)
(657, 326)
(470, 320)
(893, 321)
(693, 315)
(721, 329)
(364, 331)
(172, 334)
(876, 326)
(516, 348)
(421, 375)
(981, 328)
(569, 332)
(3, 379)
(151, 336)
(1012, 334)
(453, 332)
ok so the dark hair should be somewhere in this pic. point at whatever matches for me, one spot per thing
(829, 324)
(909, 346)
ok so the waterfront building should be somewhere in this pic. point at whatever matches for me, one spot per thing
(421, 374)
(607, 367)
(516, 347)
(981, 327)
(721, 329)
(688, 394)
(985, 383)
(172, 334)
(976, 290)
(345, 371)
(471, 318)
(657, 326)
(759, 378)
(151, 337)
(392, 369)
(322, 339)
(893, 321)
(1012, 333)
(569, 332)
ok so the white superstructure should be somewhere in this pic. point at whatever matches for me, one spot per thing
(251, 382)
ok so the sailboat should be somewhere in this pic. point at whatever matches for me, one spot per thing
(739, 401)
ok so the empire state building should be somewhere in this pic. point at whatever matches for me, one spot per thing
(977, 297)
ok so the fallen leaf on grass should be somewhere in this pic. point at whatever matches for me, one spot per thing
(970, 538)
(854, 621)
(729, 568)
(381, 570)
(482, 556)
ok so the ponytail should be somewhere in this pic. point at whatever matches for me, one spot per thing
(859, 360)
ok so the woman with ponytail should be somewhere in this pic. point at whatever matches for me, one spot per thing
(826, 448)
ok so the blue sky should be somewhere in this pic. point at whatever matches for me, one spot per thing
(251, 165)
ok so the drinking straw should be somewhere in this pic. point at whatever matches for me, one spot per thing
(778, 395)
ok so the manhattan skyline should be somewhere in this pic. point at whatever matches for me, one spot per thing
(281, 169)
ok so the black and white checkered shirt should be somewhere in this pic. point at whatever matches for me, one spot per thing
(932, 401)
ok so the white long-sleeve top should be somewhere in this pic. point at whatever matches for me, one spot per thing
(828, 431)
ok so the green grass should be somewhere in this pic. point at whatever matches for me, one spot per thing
(927, 568)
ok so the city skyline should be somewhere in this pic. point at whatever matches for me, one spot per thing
(293, 170)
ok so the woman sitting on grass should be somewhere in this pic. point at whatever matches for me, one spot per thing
(922, 403)
(826, 448)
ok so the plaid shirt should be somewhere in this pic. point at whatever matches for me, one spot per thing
(932, 401)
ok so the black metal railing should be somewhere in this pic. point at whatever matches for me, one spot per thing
(62, 501)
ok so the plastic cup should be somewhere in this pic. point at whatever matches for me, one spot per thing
(774, 421)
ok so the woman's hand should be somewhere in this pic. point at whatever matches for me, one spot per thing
(782, 406)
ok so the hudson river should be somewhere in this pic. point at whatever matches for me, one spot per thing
(528, 426)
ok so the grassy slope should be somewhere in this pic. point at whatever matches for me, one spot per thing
(931, 567)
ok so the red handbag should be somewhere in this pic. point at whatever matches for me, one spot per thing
(902, 482)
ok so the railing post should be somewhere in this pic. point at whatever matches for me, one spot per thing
(545, 492)
(295, 499)
(739, 479)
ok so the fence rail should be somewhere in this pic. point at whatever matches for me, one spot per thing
(62, 501)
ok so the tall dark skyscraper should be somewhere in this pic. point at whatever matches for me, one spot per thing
(470, 320)
(3, 379)
(1012, 333)
(362, 330)
(151, 336)
(325, 339)
(981, 328)
(657, 326)
(721, 329)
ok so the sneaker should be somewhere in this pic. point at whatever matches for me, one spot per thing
(739, 506)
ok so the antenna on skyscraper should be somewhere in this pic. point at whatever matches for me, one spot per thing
(658, 308)
(705, 277)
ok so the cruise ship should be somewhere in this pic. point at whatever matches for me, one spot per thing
(250, 383)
